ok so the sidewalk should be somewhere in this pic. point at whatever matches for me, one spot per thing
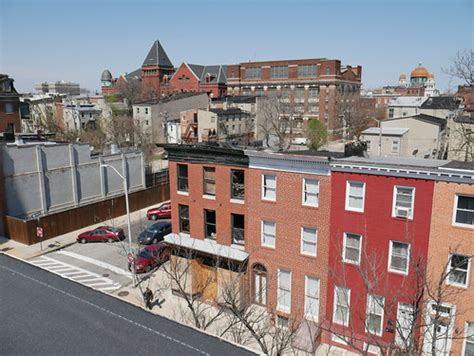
(26, 252)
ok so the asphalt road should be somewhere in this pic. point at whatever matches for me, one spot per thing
(43, 314)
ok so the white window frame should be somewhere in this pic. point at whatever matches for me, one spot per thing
(468, 274)
(371, 301)
(455, 209)
(283, 308)
(349, 208)
(343, 322)
(369, 144)
(262, 233)
(396, 146)
(303, 195)
(394, 202)
(344, 248)
(390, 257)
(464, 346)
(371, 349)
(303, 228)
(311, 298)
(263, 187)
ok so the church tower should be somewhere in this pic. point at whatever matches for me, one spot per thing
(155, 67)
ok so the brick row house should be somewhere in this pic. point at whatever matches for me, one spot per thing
(352, 245)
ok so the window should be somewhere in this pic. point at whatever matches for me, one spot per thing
(352, 248)
(374, 317)
(238, 229)
(458, 270)
(268, 234)
(311, 298)
(391, 112)
(328, 71)
(469, 337)
(268, 187)
(284, 290)
(309, 238)
(182, 178)
(307, 70)
(209, 175)
(403, 201)
(253, 73)
(184, 218)
(464, 211)
(210, 224)
(355, 192)
(342, 298)
(399, 257)
(395, 146)
(310, 192)
(237, 184)
(279, 72)
(138, 110)
(368, 146)
(260, 284)
(146, 111)
(373, 349)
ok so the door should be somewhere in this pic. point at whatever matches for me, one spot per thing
(404, 327)
(439, 325)
(207, 282)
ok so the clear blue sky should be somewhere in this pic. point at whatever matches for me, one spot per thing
(49, 40)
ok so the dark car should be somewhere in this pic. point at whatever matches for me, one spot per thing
(154, 233)
(149, 257)
(102, 234)
(160, 212)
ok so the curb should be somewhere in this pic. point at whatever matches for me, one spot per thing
(40, 253)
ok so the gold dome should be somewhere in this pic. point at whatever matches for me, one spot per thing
(419, 72)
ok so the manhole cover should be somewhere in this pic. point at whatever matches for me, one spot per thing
(123, 294)
(105, 275)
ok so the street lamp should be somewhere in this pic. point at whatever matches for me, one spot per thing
(125, 188)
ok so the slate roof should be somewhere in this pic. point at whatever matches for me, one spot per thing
(217, 73)
(135, 74)
(229, 111)
(157, 57)
(441, 102)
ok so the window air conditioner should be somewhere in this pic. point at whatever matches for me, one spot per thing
(402, 212)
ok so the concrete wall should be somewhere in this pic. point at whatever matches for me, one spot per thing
(44, 179)
(207, 120)
(387, 143)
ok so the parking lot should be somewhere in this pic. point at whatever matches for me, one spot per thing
(100, 265)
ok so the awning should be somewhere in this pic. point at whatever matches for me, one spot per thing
(307, 336)
(206, 246)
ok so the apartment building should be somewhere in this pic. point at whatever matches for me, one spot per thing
(309, 86)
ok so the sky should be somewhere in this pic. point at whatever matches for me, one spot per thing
(50, 40)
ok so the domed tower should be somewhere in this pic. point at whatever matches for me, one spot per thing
(430, 86)
(419, 76)
(402, 80)
(106, 78)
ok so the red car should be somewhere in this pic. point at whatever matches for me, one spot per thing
(149, 257)
(160, 212)
(102, 234)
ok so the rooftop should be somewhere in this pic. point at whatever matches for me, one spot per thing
(388, 131)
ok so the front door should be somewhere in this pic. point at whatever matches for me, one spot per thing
(440, 321)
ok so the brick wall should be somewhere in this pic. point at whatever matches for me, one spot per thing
(289, 215)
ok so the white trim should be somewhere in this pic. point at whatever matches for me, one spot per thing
(429, 323)
(237, 201)
(455, 209)
(347, 207)
(262, 187)
(308, 316)
(316, 205)
(468, 274)
(463, 352)
(315, 242)
(181, 192)
(411, 214)
(279, 306)
(261, 233)
(370, 297)
(344, 248)
(209, 197)
(339, 339)
(334, 320)
(390, 257)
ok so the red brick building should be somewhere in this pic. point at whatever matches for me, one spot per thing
(10, 121)
(200, 78)
(311, 85)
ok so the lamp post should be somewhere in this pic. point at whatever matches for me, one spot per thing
(125, 188)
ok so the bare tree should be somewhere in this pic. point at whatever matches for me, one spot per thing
(42, 118)
(132, 90)
(462, 66)
(355, 114)
(276, 120)
(461, 139)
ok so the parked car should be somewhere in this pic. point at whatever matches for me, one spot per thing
(154, 233)
(102, 234)
(160, 212)
(149, 257)
(299, 141)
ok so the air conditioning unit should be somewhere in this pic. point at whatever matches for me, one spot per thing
(402, 212)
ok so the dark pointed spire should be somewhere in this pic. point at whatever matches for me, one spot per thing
(157, 57)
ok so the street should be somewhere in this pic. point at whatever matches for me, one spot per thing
(43, 314)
